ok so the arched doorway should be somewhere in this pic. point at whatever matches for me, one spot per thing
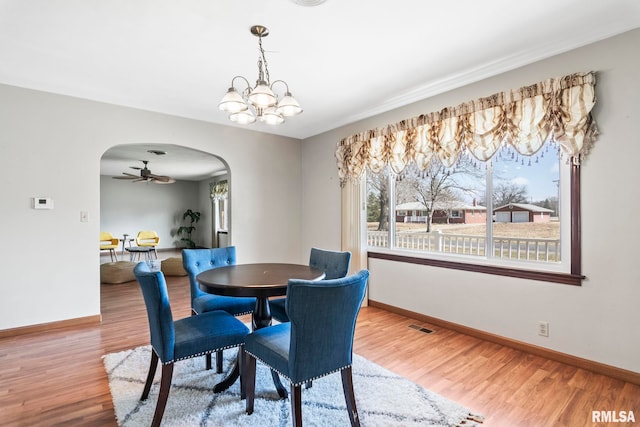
(136, 202)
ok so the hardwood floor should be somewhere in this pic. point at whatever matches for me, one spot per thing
(57, 378)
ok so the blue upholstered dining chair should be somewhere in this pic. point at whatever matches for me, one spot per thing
(172, 341)
(317, 341)
(334, 264)
(195, 261)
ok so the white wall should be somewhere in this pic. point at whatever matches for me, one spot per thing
(51, 146)
(597, 321)
(127, 207)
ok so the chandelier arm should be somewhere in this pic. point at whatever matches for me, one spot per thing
(240, 77)
(283, 82)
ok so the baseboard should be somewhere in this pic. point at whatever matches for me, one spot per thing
(45, 327)
(597, 367)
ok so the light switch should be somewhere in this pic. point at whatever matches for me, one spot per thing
(84, 216)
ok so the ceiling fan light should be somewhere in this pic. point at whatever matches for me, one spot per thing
(245, 117)
(272, 117)
(232, 102)
(262, 96)
(288, 106)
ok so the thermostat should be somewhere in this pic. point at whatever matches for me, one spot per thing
(42, 203)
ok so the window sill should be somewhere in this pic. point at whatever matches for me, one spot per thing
(543, 276)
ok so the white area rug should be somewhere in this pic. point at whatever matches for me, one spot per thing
(383, 398)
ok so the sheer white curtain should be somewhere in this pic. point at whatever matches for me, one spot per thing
(353, 218)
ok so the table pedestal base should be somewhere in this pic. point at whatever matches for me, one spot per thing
(260, 280)
(231, 378)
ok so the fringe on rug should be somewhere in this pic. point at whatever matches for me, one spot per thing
(471, 420)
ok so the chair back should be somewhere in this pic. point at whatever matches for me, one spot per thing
(147, 238)
(195, 261)
(334, 264)
(107, 240)
(156, 299)
(323, 320)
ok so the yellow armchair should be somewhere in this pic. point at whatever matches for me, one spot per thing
(110, 243)
(148, 238)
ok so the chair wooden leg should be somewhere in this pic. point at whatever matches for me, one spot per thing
(219, 360)
(163, 395)
(349, 396)
(296, 405)
(150, 375)
(249, 375)
(241, 363)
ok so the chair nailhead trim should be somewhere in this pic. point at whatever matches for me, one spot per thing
(303, 382)
(235, 315)
(242, 314)
(202, 353)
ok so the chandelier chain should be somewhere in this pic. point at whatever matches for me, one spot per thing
(262, 61)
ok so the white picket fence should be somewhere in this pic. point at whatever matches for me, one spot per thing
(503, 247)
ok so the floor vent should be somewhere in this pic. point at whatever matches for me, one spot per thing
(421, 329)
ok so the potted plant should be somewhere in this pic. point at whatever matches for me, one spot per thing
(186, 230)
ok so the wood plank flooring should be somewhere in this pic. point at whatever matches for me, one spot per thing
(56, 378)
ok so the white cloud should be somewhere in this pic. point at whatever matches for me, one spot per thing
(520, 180)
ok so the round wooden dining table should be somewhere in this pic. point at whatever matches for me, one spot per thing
(262, 280)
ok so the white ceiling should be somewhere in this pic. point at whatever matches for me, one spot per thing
(179, 162)
(344, 60)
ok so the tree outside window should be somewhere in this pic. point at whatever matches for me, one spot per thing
(504, 209)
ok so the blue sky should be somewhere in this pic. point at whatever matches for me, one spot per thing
(539, 178)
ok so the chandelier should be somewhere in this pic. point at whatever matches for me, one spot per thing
(260, 101)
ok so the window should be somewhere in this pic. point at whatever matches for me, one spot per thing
(506, 212)
(427, 165)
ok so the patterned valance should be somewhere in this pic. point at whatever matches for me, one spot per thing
(219, 190)
(556, 109)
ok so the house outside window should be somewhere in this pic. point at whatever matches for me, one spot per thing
(503, 212)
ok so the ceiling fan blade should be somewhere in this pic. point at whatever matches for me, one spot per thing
(162, 178)
(170, 181)
(126, 176)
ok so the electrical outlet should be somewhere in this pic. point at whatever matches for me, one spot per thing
(543, 329)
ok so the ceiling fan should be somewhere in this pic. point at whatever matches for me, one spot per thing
(146, 175)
